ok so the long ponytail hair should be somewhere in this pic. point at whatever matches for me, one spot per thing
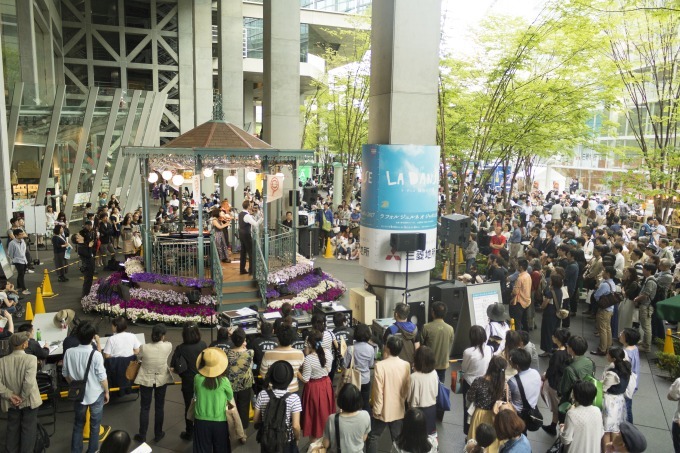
(314, 340)
(621, 365)
(495, 373)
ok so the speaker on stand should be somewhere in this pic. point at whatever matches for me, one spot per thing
(407, 242)
(417, 314)
(455, 230)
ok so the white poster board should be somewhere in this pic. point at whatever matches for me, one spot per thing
(274, 187)
(4, 263)
(35, 218)
(473, 313)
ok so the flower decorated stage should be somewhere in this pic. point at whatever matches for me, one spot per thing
(169, 299)
(303, 287)
(155, 298)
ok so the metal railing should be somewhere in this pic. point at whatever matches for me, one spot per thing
(261, 271)
(281, 251)
(216, 271)
(179, 256)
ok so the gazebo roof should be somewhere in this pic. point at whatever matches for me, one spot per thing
(217, 135)
(218, 144)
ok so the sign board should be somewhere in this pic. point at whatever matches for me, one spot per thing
(274, 187)
(4, 263)
(400, 185)
(196, 187)
(473, 313)
(35, 219)
(304, 173)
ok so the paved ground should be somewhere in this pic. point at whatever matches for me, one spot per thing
(652, 411)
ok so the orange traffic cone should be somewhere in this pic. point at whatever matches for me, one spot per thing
(668, 343)
(47, 286)
(39, 304)
(103, 429)
(29, 312)
(329, 249)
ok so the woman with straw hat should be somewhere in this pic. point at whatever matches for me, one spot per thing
(212, 391)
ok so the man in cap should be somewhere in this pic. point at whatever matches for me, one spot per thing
(19, 394)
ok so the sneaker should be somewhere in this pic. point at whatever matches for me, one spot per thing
(30, 271)
(25, 292)
(139, 438)
(186, 436)
(347, 257)
(338, 257)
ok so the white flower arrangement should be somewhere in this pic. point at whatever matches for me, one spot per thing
(159, 296)
(134, 266)
(135, 314)
(308, 294)
(290, 272)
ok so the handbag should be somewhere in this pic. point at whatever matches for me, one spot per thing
(589, 283)
(326, 224)
(136, 241)
(557, 446)
(132, 370)
(443, 398)
(611, 299)
(531, 415)
(76, 389)
(457, 381)
(350, 375)
(191, 411)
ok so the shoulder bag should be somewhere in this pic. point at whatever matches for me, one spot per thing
(350, 375)
(611, 299)
(531, 415)
(76, 389)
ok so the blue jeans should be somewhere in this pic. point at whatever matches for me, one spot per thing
(96, 410)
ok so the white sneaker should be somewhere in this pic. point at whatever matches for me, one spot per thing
(25, 292)
(30, 271)
(338, 257)
(347, 257)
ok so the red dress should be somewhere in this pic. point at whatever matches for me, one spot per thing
(318, 402)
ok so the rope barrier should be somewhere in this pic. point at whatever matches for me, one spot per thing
(76, 262)
(64, 394)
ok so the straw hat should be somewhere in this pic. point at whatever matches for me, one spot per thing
(496, 312)
(67, 315)
(212, 362)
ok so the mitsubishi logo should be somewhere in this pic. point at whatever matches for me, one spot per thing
(393, 255)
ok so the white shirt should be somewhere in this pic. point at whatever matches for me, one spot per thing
(424, 389)
(674, 395)
(122, 345)
(583, 429)
(619, 264)
(474, 364)
(174, 203)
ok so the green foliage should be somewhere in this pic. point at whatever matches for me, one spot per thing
(669, 363)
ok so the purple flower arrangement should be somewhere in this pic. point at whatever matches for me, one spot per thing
(162, 279)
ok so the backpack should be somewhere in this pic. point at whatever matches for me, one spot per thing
(42, 439)
(273, 434)
(408, 352)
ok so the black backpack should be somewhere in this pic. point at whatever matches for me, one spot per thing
(273, 435)
(42, 439)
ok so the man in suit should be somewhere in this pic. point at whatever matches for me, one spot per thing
(19, 394)
(245, 223)
(391, 386)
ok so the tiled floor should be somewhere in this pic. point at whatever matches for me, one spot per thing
(652, 411)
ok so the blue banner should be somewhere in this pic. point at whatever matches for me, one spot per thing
(399, 187)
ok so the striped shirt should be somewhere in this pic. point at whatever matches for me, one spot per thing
(312, 369)
(292, 356)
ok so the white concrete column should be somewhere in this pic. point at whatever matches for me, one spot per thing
(203, 75)
(281, 103)
(185, 25)
(403, 101)
(5, 164)
(248, 107)
(27, 49)
(230, 61)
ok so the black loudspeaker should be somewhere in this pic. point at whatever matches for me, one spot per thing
(309, 242)
(293, 195)
(455, 229)
(417, 313)
(310, 195)
(453, 294)
(407, 242)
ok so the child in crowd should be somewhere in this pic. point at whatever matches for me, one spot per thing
(528, 346)
(629, 338)
(484, 437)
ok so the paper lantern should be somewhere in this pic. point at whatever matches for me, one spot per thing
(251, 175)
(232, 181)
(167, 174)
(153, 177)
(208, 172)
(178, 180)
